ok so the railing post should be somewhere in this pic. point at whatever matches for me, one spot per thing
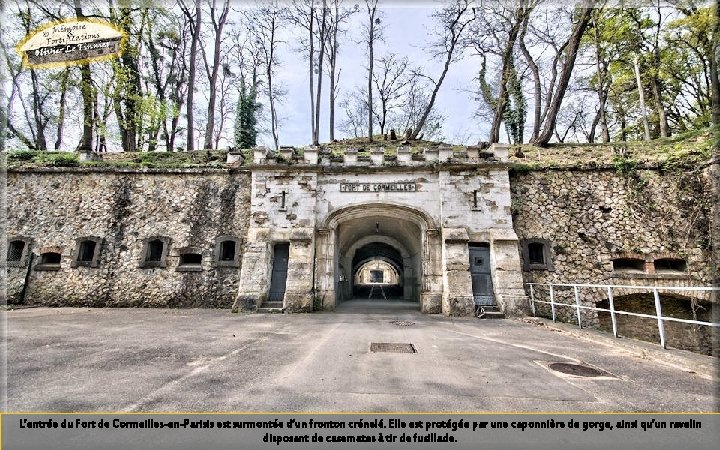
(552, 301)
(658, 312)
(612, 310)
(532, 299)
(577, 305)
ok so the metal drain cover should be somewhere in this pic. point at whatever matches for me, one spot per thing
(577, 370)
(389, 347)
(402, 323)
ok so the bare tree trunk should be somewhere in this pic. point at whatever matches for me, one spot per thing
(571, 50)
(61, 111)
(662, 117)
(195, 25)
(213, 75)
(86, 90)
(333, 61)
(40, 140)
(537, 86)
(643, 111)
(321, 57)
(269, 61)
(507, 56)
(371, 57)
(311, 60)
(601, 69)
(455, 29)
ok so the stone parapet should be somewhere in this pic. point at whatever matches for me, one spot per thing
(402, 156)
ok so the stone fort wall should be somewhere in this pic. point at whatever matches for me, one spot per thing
(52, 209)
(584, 218)
(587, 220)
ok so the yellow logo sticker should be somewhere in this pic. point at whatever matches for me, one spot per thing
(71, 42)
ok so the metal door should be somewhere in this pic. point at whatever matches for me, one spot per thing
(281, 254)
(480, 273)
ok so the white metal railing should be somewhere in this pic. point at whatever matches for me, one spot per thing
(613, 312)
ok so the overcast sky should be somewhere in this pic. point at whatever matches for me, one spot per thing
(406, 33)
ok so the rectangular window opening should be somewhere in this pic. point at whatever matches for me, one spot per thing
(15, 250)
(154, 251)
(536, 253)
(635, 265)
(670, 265)
(86, 253)
(227, 251)
(50, 258)
(191, 259)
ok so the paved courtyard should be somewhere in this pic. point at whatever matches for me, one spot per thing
(78, 359)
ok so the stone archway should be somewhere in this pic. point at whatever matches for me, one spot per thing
(410, 233)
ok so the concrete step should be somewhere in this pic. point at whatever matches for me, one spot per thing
(265, 310)
(273, 304)
(492, 315)
(491, 312)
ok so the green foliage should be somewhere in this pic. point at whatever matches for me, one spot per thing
(623, 165)
(516, 107)
(48, 159)
(61, 159)
(169, 160)
(22, 155)
(246, 120)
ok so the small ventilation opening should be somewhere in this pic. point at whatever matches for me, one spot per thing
(536, 253)
(154, 251)
(632, 265)
(670, 265)
(190, 259)
(15, 250)
(227, 251)
(50, 258)
(86, 251)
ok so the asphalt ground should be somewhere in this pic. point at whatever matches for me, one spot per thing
(209, 360)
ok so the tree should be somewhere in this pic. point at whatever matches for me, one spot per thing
(414, 106)
(195, 22)
(264, 26)
(454, 20)
(569, 49)
(356, 113)
(322, 35)
(127, 95)
(218, 23)
(303, 15)
(35, 108)
(391, 82)
(373, 32)
(166, 43)
(495, 33)
(88, 96)
(337, 18)
(245, 120)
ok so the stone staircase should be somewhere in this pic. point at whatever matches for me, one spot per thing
(268, 307)
(491, 312)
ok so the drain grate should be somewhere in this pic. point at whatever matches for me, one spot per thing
(577, 370)
(390, 347)
(402, 323)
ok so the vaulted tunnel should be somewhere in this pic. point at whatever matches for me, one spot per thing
(378, 272)
(379, 255)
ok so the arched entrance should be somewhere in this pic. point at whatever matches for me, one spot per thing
(397, 245)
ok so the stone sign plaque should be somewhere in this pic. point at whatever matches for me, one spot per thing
(402, 186)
